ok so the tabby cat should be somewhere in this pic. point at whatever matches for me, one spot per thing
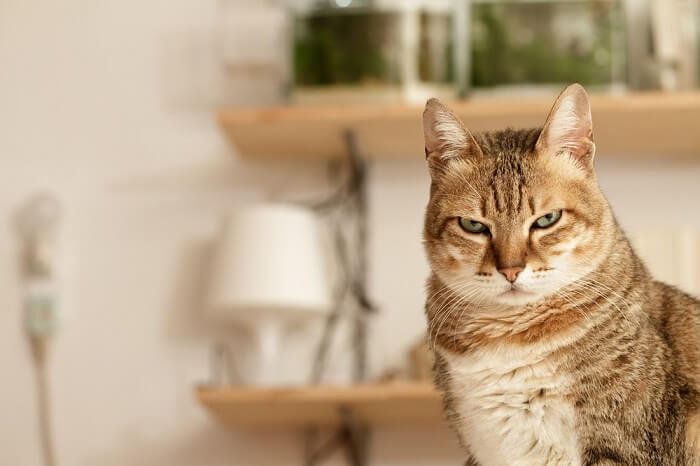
(553, 343)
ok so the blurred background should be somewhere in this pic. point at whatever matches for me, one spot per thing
(211, 252)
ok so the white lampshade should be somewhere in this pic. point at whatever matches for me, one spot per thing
(269, 262)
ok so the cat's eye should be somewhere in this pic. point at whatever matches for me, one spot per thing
(471, 226)
(547, 220)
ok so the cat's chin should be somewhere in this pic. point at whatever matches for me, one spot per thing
(516, 297)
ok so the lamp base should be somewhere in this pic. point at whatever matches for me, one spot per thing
(267, 337)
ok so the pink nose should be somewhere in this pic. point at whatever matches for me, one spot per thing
(511, 273)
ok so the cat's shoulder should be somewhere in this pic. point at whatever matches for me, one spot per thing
(678, 316)
(674, 304)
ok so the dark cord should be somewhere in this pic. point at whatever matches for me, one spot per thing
(348, 206)
(348, 211)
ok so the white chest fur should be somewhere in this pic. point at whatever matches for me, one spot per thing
(513, 408)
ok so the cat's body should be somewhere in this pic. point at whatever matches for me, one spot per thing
(553, 344)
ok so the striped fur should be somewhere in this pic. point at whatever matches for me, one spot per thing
(585, 359)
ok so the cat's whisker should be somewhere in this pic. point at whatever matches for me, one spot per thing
(448, 307)
(446, 288)
(590, 288)
(600, 289)
(444, 310)
(464, 309)
(565, 297)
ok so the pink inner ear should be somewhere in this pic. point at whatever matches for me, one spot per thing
(584, 145)
(445, 136)
(570, 129)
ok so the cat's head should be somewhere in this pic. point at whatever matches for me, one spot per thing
(514, 215)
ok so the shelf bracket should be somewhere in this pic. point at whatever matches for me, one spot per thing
(356, 436)
(352, 436)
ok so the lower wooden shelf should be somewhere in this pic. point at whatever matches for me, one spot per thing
(376, 404)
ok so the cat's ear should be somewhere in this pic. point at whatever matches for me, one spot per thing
(568, 130)
(446, 138)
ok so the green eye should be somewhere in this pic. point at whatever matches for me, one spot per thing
(547, 220)
(471, 226)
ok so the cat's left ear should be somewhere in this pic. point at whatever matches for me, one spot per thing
(568, 130)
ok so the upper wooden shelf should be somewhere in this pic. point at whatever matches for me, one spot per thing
(644, 124)
(391, 403)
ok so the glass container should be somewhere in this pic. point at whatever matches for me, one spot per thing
(539, 43)
(347, 51)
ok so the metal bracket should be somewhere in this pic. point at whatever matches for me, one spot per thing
(352, 436)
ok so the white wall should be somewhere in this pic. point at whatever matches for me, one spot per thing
(99, 102)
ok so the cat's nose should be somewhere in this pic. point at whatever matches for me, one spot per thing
(511, 273)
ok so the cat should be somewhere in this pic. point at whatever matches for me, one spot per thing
(553, 344)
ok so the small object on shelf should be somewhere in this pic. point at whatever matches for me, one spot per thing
(269, 271)
(546, 43)
(362, 51)
(675, 36)
(421, 361)
(223, 370)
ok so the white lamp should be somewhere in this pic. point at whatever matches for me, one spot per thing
(269, 270)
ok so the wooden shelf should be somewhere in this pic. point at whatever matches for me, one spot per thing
(645, 124)
(392, 403)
